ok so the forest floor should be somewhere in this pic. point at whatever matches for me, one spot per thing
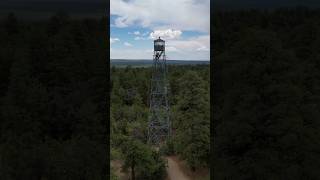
(117, 166)
(178, 170)
(174, 171)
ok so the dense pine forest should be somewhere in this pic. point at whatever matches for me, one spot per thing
(266, 79)
(190, 116)
(53, 108)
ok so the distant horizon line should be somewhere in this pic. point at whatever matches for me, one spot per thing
(167, 59)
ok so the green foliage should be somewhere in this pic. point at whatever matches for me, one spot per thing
(77, 158)
(112, 175)
(168, 148)
(266, 75)
(129, 117)
(193, 121)
(52, 99)
(115, 154)
(144, 163)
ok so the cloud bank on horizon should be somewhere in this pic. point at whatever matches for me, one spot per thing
(183, 24)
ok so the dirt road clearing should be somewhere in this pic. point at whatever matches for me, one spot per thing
(174, 172)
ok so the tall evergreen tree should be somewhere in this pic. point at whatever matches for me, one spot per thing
(192, 121)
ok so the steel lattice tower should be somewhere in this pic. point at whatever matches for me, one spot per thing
(159, 120)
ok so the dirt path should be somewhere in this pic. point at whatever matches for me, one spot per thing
(174, 171)
(117, 165)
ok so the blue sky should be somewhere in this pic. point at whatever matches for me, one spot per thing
(183, 24)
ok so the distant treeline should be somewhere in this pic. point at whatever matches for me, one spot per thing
(266, 79)
(148, 63)
(53, 108)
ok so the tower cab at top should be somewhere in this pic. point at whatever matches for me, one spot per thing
(159, 45)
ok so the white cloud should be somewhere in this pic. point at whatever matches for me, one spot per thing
(203, 48)
(200, 43)
(171, 49)
(113, 40)
(145, 34)
(120, 22)
(136, 33)
(139, 35)
(131, 53)
(166, 34)
(127, 44)
(191, 15)
(196, 48)
(139, 38)
(167, 19)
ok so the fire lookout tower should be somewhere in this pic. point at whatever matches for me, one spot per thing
(159, 120)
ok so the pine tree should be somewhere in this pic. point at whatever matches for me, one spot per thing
(192, 121)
